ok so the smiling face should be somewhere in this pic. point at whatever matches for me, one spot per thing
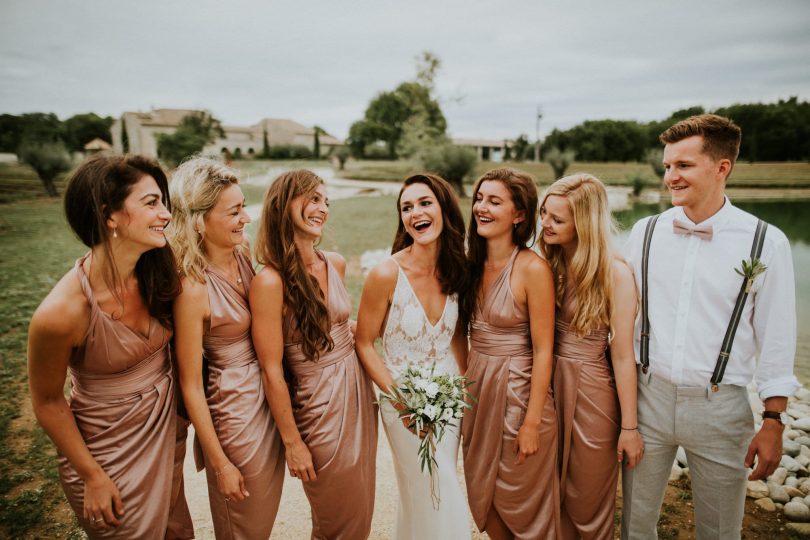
(309, 212)
(494, 210)
(557, 220)
(695, 180)
(420, 213)
(225, 222)
(143, 217)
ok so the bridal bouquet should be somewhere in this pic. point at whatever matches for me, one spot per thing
(431, 402)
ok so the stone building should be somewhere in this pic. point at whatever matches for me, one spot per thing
(142, 129)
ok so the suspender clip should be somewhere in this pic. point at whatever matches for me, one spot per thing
(724, 354)
(715, 388)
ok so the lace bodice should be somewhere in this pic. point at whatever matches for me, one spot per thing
(409, 338)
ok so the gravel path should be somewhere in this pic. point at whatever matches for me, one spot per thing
(293, 520)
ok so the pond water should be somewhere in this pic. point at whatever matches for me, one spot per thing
(793, 218)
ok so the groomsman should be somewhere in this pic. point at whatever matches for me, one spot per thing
(701, 267)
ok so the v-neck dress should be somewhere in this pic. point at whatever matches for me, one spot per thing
(333, 406)
(239, 411)
(124, 400)
(525, 496)
(588, 411)
(409, 338)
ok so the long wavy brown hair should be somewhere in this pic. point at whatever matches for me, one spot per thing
(590, 269)
(275, 247)
(451, 262)
(96, 189)
(523, 189)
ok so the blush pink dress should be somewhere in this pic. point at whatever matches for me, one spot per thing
(124, 400)
(500, 363)
(240, 412)
(588, 412)
(333, 406)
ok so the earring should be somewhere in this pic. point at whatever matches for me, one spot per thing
(115, 232)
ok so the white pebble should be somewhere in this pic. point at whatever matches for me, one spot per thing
(797, 511)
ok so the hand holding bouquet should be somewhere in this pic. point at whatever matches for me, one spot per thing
(430, 403)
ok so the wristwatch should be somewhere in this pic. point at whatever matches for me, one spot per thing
(780, 417)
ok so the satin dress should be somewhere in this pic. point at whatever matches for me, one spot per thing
(240, 412)
(588, 413)
(124, 400)
(334, 408)
(500, 363)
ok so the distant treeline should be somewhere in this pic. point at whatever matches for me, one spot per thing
(40, 128)
(771, 132)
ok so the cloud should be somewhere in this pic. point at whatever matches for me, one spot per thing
(320, 62)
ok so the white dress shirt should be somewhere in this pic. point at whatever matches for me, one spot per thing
(692, 289)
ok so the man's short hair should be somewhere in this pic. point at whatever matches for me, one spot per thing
(721, 136)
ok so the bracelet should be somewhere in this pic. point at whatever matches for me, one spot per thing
(630, 428)
(221, 470)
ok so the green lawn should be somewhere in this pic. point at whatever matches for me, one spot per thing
(36, 249)
(753, 175)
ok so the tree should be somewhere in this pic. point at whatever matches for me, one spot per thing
(520, 147)
(388, 113)
(48, 159)
(194, 132)
(655, 157)
(80, 129)
(124, 136)
(559, 160)
(265, 145)
(342, 154)
(316, 147)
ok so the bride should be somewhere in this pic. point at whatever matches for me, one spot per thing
(410, 301)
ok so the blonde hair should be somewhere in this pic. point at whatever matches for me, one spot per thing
(591, 266)
(195, 188)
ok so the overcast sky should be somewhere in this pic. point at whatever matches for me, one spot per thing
(321, 61)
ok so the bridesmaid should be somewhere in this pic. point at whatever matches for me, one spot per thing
(107, 323)
(241, 451)
(596, 297)
(300, 307)
(510, 435)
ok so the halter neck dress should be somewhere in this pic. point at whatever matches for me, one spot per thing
(124, 400)
(239, 411)
(588, 412)
(333, 405)
(500, 363)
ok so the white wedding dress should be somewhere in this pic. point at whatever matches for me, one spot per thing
(409, 338)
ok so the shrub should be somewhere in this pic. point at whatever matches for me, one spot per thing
(289, 151)
(559, 161)
(638, 182)
(48, 159)
(453, 163)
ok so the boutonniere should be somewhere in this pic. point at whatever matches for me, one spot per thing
(750, 269)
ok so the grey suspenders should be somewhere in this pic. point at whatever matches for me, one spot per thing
(728, 340)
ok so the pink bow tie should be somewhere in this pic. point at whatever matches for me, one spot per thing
(703, 232)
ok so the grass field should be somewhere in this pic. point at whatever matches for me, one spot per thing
(37, 248)
(756, 175)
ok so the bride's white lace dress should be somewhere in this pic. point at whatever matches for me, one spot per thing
(410, 338)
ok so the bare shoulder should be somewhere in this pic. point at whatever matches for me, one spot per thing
(622, 272)
(532, 265)
(267, 279)
(384, 275)
(193, 294)
(64, 313)
(337, 260)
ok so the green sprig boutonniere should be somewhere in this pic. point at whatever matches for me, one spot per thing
(751, 268)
